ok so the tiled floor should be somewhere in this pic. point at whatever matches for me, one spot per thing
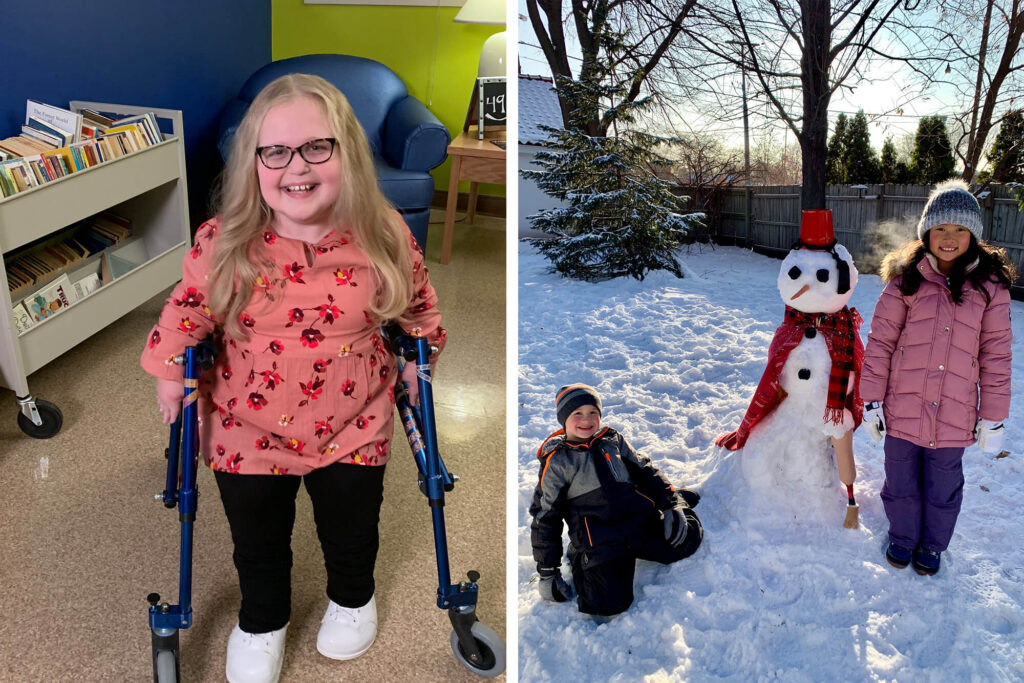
(82, 541)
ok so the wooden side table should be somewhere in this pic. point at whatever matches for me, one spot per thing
(478, 161)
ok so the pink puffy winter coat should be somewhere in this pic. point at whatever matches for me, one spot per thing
(927, 358)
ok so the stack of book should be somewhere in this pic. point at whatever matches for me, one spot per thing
(44, 303)
(55, 142)
(36, 275)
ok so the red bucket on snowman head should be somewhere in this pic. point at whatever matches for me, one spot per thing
(817, 234)
(816, 230)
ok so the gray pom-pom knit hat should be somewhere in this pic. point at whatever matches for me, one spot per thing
(951, 202)
(573, 396)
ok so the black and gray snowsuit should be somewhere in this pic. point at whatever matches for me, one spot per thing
(611, 497)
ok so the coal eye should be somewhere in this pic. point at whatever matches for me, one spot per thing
(794, 273)
(804, 373)
(822, 275)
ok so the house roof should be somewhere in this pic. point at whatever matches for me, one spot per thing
(538, 104)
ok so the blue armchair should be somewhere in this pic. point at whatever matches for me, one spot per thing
(405, 138)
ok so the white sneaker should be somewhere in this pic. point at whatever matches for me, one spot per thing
(255, 657)
(347, 632)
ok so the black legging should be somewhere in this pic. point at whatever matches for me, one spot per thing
(261, 512)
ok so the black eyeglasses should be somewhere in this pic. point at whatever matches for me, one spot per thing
(314, 152)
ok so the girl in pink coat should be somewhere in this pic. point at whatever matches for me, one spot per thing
(936, 375)
(301, 267)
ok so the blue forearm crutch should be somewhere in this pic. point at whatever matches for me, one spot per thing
(474, 644)
(165, 619)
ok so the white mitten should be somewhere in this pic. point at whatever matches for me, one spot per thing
(873, 421)
(989, 435)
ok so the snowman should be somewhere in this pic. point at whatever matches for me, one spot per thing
(807, 404)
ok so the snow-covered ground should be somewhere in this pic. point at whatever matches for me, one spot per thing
(778, 590)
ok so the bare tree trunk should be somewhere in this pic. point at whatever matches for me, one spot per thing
(817, 40)
(590, 19)
(972, 140)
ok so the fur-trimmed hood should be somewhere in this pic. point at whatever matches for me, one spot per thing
(897, 261)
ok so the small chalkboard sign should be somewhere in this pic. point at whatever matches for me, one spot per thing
(487, 108)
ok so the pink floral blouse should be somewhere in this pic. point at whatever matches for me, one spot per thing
(314, 384)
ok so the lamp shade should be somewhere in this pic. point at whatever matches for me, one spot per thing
(490, 12)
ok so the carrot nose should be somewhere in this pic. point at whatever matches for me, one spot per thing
(802, 290)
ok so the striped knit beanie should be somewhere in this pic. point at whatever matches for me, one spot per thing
(951, 202)
(571, 397)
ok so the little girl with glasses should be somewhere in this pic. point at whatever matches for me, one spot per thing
(302, 264)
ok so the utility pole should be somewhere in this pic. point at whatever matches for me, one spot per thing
(746, 138)
(746, 152)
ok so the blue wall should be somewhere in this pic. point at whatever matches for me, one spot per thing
(191, 55)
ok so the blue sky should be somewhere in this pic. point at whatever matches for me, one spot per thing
(892, 88)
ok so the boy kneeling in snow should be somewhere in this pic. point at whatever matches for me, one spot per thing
(618, 507)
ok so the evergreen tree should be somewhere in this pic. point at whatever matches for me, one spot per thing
(619, 217)
(889, 162)
(932, 158)
(904, 173)
(835, 154)
(1007, 152)
(862, 164)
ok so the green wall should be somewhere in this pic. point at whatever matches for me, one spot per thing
(403, 38)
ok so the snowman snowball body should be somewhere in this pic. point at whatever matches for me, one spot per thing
(790, 447)
(807, 400)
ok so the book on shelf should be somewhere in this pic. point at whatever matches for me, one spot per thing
(134, 134)
(52, 140)
(23, 145)
(18, 175)
(41, 262)
(58, 117)
(62, 157)
(19, 281)
(97, 119)
(22, 319)
(148, 123)
(65, 137)
(50, 300)
(86, 285)
(47, 150)
(8, 186)
(39, 172)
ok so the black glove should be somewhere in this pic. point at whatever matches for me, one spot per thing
(552, 586)
(675, 526)
(691, 497)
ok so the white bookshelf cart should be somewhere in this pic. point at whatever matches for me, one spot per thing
(148, 187)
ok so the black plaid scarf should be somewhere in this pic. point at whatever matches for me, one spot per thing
(842, 339)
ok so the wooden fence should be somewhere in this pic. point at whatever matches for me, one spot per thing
(869, 220)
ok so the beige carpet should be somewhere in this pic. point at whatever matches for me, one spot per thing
(82, 540)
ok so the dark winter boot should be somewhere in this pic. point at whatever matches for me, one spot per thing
(926, 562)
(898, 556)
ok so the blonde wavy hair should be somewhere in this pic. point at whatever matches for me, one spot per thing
(239, 260)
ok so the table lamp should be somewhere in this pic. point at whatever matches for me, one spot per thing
(491, 13)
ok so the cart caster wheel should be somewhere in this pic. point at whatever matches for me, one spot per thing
(492, 651)
(166, 667)
(52, 420)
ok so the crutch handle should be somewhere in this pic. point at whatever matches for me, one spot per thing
(400, 343)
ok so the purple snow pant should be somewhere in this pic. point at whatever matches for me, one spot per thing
(922, 493)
